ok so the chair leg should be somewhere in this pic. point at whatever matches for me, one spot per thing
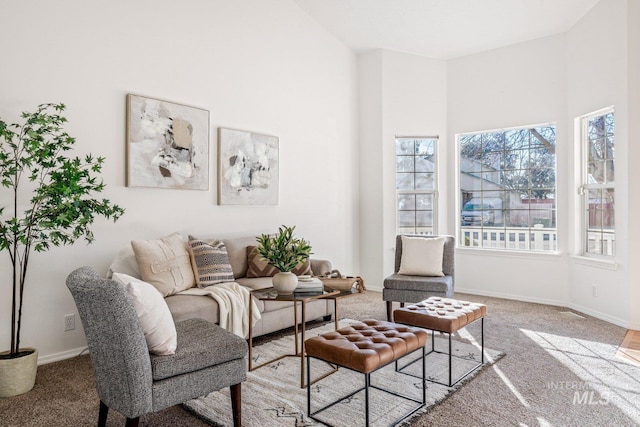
(236, 404)
(132, 422)
(102, 414)
(389, 311)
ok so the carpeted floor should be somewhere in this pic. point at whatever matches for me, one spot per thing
(272, 395)
(560, 370)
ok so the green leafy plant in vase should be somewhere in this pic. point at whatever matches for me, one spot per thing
(284, 251)
(56, 208)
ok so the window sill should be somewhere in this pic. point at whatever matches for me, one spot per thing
(595, 262)
(508, 254)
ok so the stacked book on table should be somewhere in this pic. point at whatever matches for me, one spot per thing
(309, 285)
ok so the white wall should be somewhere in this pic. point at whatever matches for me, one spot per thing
(597, 77)
(633, 177)
(371, 160)
(256, 65)
(557, 79)
(517, 85)
(407, 96)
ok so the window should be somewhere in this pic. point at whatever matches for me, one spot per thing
(507, 188)
(598, 179)
(416, 184)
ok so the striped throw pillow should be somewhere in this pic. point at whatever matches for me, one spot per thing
(210, 262)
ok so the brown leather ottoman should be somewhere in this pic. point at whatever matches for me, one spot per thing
(366, 347)
(444, 315)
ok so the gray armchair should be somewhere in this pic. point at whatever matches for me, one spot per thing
(403, 288)
(134, 382)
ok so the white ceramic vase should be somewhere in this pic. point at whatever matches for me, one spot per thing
(18, 375)
(285, 283)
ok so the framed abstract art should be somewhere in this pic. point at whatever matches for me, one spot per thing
(167, 144)
(248, 168)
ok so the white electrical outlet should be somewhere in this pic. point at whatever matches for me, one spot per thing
(69, 322)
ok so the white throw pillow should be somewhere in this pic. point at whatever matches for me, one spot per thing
(153, 312)
(422, 256)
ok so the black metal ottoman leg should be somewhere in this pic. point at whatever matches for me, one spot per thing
(482, 338)
(450, 362)
(308, 386)
(367, 383)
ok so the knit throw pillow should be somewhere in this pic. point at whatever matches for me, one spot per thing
(164, 263)
(256, 267)
(210, 262)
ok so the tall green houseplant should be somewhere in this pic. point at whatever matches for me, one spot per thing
(62, 203)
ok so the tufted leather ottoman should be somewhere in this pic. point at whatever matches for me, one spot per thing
(365, 347)
(444, 315)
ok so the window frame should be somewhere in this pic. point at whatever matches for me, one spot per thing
(584, 187)
(471, 237)
(433, 192)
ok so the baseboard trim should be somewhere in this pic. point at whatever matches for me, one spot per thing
(602, 316)
(503, 295)
(593, 313)
(56, 357)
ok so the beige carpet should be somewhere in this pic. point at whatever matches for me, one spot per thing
(272, 396)
(533, 385)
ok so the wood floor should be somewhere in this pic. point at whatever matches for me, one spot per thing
(629, 350)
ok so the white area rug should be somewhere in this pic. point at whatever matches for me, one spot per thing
(272, 396)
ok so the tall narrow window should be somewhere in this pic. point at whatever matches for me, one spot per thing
(508, 189)
(416, 184)
(598, 183)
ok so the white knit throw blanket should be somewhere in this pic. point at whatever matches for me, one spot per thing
(233, 305)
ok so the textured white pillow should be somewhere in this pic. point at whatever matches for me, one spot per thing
(164, 263)
(153, 312)
(422, 257)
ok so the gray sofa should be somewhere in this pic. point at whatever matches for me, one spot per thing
(275, 315)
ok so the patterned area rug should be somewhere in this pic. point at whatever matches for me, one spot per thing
(272, 396)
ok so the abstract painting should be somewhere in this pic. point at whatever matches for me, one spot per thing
(167, 144)
(248, 168)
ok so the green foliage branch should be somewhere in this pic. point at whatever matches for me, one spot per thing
(62, 205)
(283, 251)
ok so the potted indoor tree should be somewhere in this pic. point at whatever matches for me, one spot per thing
(56, 208)
(284, 252)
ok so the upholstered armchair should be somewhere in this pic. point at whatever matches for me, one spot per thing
(135, 382)
(410, 288)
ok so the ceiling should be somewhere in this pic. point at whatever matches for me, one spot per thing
(443, 29)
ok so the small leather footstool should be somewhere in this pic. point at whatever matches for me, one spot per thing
(366, 347)
(443, 315)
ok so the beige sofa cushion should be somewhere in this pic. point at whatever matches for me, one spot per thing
(237, 251)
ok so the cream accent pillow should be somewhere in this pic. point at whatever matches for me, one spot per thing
(165, 264)
(422, 257)
(153, 312)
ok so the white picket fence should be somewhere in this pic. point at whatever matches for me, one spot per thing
(537, 238)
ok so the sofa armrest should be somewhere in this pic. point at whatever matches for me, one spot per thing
(320, 266)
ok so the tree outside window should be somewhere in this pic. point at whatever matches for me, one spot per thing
(598, 182)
